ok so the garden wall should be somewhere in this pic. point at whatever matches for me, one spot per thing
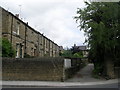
(49, 69)
(40, 69)
(76, 65)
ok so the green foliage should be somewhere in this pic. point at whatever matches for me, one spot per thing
(101, 23)
(78, 54)
(68, 53)
(97, 72)
(7, 50)
(94, 74)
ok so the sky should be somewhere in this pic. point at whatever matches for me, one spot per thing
(53, 18)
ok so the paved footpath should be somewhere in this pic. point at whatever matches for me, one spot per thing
(85, 75)
(103, 84)
(82, 79)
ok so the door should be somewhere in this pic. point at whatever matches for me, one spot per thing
(21, 51)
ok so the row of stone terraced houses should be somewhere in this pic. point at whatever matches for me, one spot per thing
(26, 40)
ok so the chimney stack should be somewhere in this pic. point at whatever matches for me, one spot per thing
(17, 15)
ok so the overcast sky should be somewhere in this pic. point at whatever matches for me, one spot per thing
(54, 18)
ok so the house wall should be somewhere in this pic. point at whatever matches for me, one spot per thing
(32, 42)
(5, 20)
(57, 51)
(0, 23)
(42, 46)
(12, 33)
(29, 41)
(53, 46)
(51, 49)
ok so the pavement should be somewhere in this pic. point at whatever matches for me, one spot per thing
(58, 84)
(83, 79)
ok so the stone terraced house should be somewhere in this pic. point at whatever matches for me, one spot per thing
(25, 39)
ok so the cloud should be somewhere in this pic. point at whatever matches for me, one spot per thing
(54, 18)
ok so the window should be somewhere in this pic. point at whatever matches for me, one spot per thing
(18, 28)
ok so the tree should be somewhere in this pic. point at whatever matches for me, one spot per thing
(101, 23)
(7, 49)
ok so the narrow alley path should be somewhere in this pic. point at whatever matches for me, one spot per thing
(85, 75)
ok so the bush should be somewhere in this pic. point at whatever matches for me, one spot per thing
(69, 53)
(78, 54)
(7, 49)
(98, 70)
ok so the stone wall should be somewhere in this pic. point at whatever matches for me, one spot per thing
(47, 69)
(39, 69)
(109, 68)
(76, 65)
(117, 72)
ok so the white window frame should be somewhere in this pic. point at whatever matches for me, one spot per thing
(18, 28)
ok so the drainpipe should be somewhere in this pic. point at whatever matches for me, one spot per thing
(11, 29)
(49, 48)
(52, 49)
(38, 52)
(25, 37)
(44, 45)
